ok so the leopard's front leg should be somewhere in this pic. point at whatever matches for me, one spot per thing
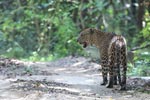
(104, 62)
(111, 78)
(104, 75)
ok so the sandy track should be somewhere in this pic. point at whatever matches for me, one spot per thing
(70, 78)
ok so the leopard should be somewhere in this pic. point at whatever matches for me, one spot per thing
(113, 55)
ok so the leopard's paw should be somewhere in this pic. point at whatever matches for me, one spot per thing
(103, 83)
(109, 86)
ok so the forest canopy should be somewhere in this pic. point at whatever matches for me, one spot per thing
(47, 29)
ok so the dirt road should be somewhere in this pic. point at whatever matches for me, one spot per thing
(70, 78)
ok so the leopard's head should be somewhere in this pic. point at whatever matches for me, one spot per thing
(86, 37)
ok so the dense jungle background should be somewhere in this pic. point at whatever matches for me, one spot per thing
(40, 58)
(44, 30)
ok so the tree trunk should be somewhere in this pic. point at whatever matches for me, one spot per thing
(140, 13)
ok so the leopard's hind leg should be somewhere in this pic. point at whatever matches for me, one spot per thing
(104, 69)
(117, 63)
(115, 79)
(123, 66)
(111, 65)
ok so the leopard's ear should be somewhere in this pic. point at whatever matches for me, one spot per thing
(91, 31)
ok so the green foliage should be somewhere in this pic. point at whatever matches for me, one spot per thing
(48, 29)
(17, 51)
(140, 70)
(146, 29)
(141, 65)
(142, 57)
(38, 30)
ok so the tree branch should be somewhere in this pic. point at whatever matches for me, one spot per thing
(140, 47)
